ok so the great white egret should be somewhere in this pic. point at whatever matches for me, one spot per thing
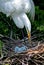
(17, 9)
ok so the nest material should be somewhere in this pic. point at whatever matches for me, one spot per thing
(32, 56)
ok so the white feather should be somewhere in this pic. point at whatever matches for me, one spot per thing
(32, 11)
(17, 6)
(17, 20)
(26, 21)
(27, 5)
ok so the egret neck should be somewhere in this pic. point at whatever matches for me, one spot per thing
(27, 25)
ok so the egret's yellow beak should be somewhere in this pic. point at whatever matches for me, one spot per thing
(29, 35)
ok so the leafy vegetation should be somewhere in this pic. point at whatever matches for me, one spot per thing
(1, 46)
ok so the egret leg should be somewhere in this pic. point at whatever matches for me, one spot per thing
(23, 35)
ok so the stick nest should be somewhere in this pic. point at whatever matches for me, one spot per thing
(32, 56)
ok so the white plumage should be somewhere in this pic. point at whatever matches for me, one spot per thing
(17, 9)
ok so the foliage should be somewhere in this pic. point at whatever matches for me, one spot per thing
(1, 46)
(39, 19)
